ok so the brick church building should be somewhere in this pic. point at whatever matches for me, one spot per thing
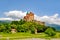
(30, 17)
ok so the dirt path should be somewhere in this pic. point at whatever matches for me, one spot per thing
(39, 39)
(32, 39)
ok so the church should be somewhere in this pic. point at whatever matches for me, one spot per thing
(30, 17)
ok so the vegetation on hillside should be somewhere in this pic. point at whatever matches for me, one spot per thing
(24, 26)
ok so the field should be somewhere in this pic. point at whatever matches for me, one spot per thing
(9, 36)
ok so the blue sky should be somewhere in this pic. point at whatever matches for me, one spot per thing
(44, 10)
(39, 7)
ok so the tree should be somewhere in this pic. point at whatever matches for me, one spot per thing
(7, 28)
(2, 28)
(15, 22)
(33, 27)
(21, 22)
(40, 28)
(50, 32)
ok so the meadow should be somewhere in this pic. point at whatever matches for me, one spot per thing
(21, 35)
(23, 29)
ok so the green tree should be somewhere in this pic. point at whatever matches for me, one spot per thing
(21, 22)
(2, 28)
(50, 32)
(15, 22)
(33, 27)
(7, 28)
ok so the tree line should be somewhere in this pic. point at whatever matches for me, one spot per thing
(24, 26)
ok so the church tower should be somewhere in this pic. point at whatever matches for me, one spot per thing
(29, 16)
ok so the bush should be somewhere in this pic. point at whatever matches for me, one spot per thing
(41, 28)
(50, 32)
(32, 30)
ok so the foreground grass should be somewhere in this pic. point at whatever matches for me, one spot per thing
(7, 36)
(21, 35)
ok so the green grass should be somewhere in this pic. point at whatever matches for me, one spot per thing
(57, 35)
(22, 35)
(5, 36)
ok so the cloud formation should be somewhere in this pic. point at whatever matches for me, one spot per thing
(49, 19)
(6, 19)
(17, 15)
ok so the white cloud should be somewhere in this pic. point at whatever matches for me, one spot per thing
(15, 14)
(55, 16)
(6, 19)
(49, 19)
(36, 17)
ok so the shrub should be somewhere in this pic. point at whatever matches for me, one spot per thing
(32, 30)
(50, 32)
